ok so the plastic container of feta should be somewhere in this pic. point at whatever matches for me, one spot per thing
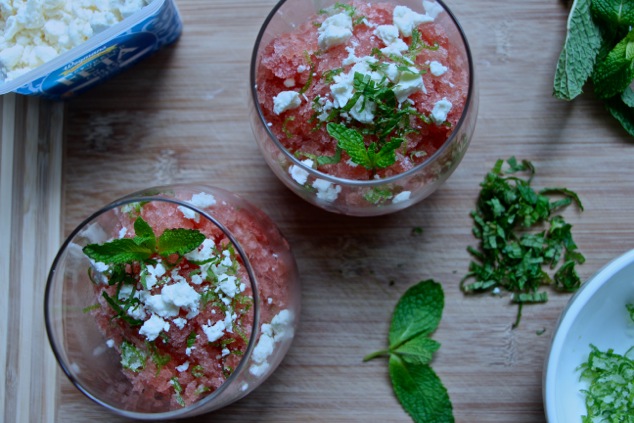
(103, 55)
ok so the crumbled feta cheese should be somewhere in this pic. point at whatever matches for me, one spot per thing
(225, 352)
(401, 196)
(289, 82)
(203, 200)
(182, 295)
(158, 305)
(437, 69)
(204, 252)
(286, 100)
(263, 349)
(282, 325)
(406, 20)
(228, 285)
(408, 83)
(153, 327)
(326, 190)
(441, 110)
(189, 213)
(180, 322)
(122, 232)
(335, 30)
(36, 31)
(301, 68)
(432, 8)
(110, 343)
(214, 332)
(298, 174)
(259, 370)
(153, 273)
(183, 367)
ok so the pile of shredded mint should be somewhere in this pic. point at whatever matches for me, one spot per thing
(599, 47)
(521, 237)
(416, 385)
(610, 392)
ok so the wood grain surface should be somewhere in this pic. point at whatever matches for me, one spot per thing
(181, 116)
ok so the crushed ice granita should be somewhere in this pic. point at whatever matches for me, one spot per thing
(174, 297)
(363, 91)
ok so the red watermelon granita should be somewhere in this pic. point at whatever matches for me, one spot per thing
(182, 284)
(366, 101)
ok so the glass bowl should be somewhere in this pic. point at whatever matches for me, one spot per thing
(313, 65)
(172, 302)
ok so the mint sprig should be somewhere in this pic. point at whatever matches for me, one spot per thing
(599, 47)
(371, 157)
(144, 245)
(417, 387)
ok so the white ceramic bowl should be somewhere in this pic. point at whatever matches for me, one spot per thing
(596, 315)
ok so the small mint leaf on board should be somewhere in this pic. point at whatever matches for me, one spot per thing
(576, 61)
(179, 241)
(118, 251)
(614, 12)
(420, 391)
(417, 313)
(144, 234)
(615, 72)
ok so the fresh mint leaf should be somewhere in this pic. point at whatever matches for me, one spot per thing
(350, 141)
(144, 234)
(418, 350)
(628, 97)
(622, 111)
(179, 241)
(118, 251)
(417, 313)
(577, 58)
(420, 392)
(417, 387)
(618, 13)
(615, 73)
(386, 156)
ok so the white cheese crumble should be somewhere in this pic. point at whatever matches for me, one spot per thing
(36, 31)
(180, 322)
(203, 200)
(432, 8)
(189, 213)
(408, 83)
(437, 69)
(183, 367)
(181, 295)
(401, 196)
(441, 110)
(298, 174)
(153, 327)
(110, 343)
(406, 20)
(326, 191)
(280, 328)
(214, 332)
(335, 30)
(286, 100)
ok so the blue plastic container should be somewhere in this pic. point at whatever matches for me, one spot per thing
(107, 53)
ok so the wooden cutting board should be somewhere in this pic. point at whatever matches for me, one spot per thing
(181, 116)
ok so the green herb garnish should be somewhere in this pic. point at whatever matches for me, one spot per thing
(416, 385)
(599, 47)
(510, 256)
(178, 391)
(609, 394)
(132, 358)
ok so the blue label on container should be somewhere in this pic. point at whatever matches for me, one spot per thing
(116, 54)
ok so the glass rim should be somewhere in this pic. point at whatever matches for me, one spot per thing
(357, 182)
(135, 198)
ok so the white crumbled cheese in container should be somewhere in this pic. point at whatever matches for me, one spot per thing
(432, 8)
(286, 100)
(36, 31)
(326, 190)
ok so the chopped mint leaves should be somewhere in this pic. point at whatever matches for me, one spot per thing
(417, 387)
(370, 157)
(512, 255)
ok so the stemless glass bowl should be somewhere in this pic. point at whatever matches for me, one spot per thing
(87, 342)
(355, 197)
